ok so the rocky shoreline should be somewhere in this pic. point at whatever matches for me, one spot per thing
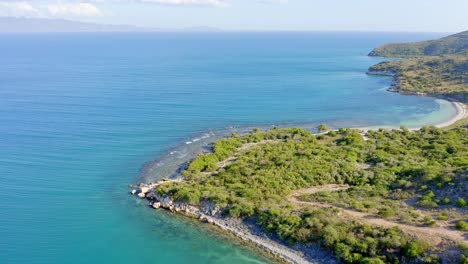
(395, 87)
(247, 231)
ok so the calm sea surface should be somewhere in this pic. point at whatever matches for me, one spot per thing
(81, 113)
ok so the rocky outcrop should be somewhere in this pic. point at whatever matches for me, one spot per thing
(209, 213)
(144, 189)
(204, 212)
(395, 86)
(166, 202)
(382, 73)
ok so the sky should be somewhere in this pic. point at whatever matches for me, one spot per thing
(301, 15)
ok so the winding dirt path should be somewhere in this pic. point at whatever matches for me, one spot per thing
(433, 235)
(230, 160)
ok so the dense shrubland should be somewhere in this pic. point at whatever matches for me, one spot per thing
(437, 68)
(443, 75)
(252, 175)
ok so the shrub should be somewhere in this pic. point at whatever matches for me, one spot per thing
(323, 128)
(415, 249)
(462, 225)
(428, 221)
(372, 261)
(443, 216)
(386, 212)
(461, 203)
(446, 201)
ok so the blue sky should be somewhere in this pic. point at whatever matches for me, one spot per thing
(368, 15)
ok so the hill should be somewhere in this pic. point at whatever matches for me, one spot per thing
(437, 68)
(453, 44)
(390, 196)
(439, 76)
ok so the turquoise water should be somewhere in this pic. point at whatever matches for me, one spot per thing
(81, 113)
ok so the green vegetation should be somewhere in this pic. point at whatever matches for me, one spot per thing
(464, 250)
(453, 44)
(437, 76)
(323, 128)
(463, 123)
(252, 176)
(461, 202)
(462, 225)
(376, 200)
(437, 68)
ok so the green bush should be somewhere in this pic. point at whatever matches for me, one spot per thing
(461, 203)
(386, 212)
(415, 249)
(462, 225)
(372, 261)
(323, 128)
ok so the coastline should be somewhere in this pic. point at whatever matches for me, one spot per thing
(252, 234)
(460, 107)
(274, 248)
(461, 113)
(246, 231)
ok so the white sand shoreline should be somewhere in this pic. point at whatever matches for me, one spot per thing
(461, 113)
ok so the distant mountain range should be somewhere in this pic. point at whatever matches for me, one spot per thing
(15, 24)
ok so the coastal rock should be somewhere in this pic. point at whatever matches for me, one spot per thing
(152, 195)
(134, 192)
(166, 202)
(209, 208)
(156, 205)
(144, 189)
(210, 221)
(141, 195)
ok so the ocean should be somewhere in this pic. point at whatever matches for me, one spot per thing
(81, 114)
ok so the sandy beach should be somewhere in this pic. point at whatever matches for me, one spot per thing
(461, 113)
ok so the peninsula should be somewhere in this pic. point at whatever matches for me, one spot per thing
(437, 68)
(347, 195)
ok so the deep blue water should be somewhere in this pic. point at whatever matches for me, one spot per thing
(81, 113)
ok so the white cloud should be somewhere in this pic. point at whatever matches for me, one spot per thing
(73, 9)
(87, 8)
(54, 9)
(18, 9)
(273, 1)
(189, 2)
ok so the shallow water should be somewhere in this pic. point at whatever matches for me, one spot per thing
(81, 113)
